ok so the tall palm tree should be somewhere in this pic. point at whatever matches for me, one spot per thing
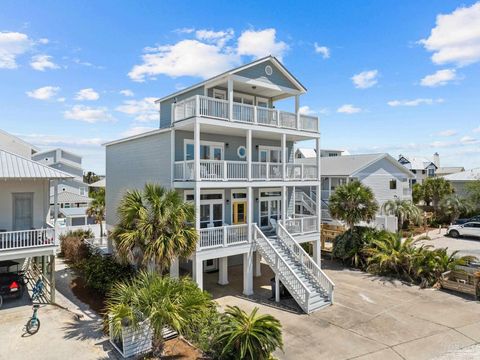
(453, 206)
(154, 227)
(162, 301)
(404, 210)
(96, 209)
(352, 203)
(249, 336)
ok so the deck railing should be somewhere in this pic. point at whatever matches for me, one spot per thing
(301, 225)
(222, 236)
(22, 239)
(226, 170)
(199, 105)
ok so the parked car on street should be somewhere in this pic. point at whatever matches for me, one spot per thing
(475, 218)
(468, 229)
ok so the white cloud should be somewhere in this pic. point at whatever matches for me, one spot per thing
(185, 58)
(349, 109)
(137, 130)
(43, 93)
(414, 102)
(305, 110)
(468, 140)
(447, 133)
(43, 62)
(261, 43)
(440, 78)
(88, 114)
(365, 79)
(218, 37)
(456, 37)
(322, 50)
(126, 92)
(476, 130)
(87, 94)
(12, 44)
(143, 110)
(43, 41)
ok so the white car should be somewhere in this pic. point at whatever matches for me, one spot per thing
(471, 228)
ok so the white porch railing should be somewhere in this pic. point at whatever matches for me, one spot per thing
(199, 105)
(222, 236)
(301, 225)
(27, 238)
(222, 170)
(301, 255)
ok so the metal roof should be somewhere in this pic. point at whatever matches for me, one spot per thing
(13, 166)
(100, 183)
(73, 212)
(468, 175)
(69, 197)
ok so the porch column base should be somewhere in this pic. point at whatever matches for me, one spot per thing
(258, 265)
(223, 271)
(175, 268)
(248, 273)
(277, 288)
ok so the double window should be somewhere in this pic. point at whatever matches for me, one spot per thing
(269, 154)
(208, 150)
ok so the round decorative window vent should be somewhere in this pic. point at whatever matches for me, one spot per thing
(242, 152)
(268, 70)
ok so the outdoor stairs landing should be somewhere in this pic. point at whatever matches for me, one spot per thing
(304, 280)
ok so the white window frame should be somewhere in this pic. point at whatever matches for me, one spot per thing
(220, 92)
(212, 144)
(267, 198)
(269, 148)
(243, 97)
(262, 99)
(208, 201)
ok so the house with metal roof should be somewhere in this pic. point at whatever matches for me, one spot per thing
(14, 144)
(461, 179)
(25, 210)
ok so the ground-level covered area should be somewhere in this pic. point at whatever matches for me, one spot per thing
(372, 318)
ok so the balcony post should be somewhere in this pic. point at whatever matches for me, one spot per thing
(55, 202)
(284, 204)
(284, 156)
(196, 145)
(230, 98)
(196, 195)
(278, 118)
(172, 157)
(255, 114)
(317, 146)
(302, 173)
(197, 105)
(249, 154)
(225, 170)
(250, 214)
(297, 110)
(225, 244)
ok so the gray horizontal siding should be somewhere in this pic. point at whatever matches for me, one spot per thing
(132, 164)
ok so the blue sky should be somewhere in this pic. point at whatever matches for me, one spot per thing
(383, 76)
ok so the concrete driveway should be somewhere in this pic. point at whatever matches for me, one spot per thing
(464, 246)
(372, 318)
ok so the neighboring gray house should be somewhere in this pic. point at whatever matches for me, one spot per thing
(225, 147)
(306, 153)
(461, 179)
(15, 145)
(421, 167)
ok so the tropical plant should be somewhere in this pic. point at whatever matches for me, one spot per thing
(473, 193)
(72, 245)
(452, 206)
(248, 336)
(349, 246)
(434, 190)
(417, 193)
(155, 226)
(162, 301)
(96, 209)
(353, 203)
(404, 210)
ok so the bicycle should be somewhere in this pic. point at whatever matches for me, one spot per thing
(37, 290)
(33, 324)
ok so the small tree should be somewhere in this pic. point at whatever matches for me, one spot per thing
(248, 336)
(417, 193)
(404, 210)
(434, 190)
(352, 203)
(473, 194)
(453, 206)
(97, 208)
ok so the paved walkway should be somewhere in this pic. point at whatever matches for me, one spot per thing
(464, 246)
(372, 318)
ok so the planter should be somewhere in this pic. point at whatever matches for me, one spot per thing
(132, 341)
(464, 279)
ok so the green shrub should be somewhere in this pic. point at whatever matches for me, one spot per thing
(73, 247)
(101, 272)
(349, 246)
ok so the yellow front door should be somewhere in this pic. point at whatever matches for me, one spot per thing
(240, 212)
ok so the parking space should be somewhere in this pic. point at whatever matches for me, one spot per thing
(464, 245)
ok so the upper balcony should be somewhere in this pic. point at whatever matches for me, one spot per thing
(204, 106)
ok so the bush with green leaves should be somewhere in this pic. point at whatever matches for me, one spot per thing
(349, 246)
(73, 247)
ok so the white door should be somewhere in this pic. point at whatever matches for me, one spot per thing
(211, 215)
(22, 211)
(269, 209)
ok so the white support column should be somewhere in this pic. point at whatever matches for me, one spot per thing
(277, 289)
(196, 150)
(223, 271)
(174, 268)
(284, 204)
(318, 206)
(172, 157)
(52, 279)
(317, 252)
(284, 155)
(248, 273)
(250, 220)
(55, 201)
(249, 154)
(258, 264)
(317, 146)
(197, 270)
(297, 110)
(230, 98)
(196, 195)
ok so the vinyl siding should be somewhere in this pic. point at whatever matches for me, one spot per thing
(166, 106)
(132, 164)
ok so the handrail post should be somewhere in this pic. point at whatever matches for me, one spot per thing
(225, 175)
(224, 236)
(278, 118)
(197, 105)
(255, 115)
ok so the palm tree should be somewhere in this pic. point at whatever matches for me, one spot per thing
(252, 337)
(404, 210)
(162, 301)
(154, 227)
(96, 209)
(434, 190)
(352, 203)
(453, 206)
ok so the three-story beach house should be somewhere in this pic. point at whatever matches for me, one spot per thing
(227, 148)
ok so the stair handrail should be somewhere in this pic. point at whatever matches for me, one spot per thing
(304, 306)
(303, 197)
(305, 259)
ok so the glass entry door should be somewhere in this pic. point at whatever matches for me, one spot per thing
(269, 209)
(239, 212)
(211, 215)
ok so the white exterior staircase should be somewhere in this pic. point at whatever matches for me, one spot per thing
(308, 203)
(303, 278)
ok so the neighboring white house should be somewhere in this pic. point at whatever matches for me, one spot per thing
(224, 146)
(24, 209)
(13, 144)
(461, 179)
(421, 167)
(305, 153)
